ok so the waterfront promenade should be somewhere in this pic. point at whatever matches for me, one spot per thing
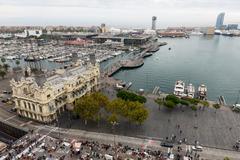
(212, 128)
(219, 129)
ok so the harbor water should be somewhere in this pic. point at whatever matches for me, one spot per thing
(213, 61)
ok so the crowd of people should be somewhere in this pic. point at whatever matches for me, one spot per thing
(35, 146)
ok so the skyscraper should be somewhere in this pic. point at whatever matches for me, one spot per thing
(154, 18)
(220, 20)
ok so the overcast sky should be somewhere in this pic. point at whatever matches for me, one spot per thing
(118, 13)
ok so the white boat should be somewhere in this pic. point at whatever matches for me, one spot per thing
(179, 89)
(236, 107)
(190, 90)
(202, 92)
(119, 86)
(218, 32)
(196, 33)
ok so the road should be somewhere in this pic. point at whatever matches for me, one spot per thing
(213, 129)
(207, 153)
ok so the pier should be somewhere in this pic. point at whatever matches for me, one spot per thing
(131, 63)
(136, 61)
(156, 90)
(222, 100)
(150, 49)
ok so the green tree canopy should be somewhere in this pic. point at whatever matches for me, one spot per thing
(192, 100)
(117, 106)
(204, 103)
(100, 98)
(160, 102)
(194, 108)
(217, 106)
(17, 62)
(169, 104)
(87, 108)
(184, 102)
(113, 118)
(134, 111)
(3, 60)
(126, 95)
(138, 115)
(173, 99)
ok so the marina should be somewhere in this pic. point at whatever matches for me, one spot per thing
(196, 60)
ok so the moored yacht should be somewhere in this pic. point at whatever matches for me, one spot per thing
(202, 92)
(190, 90)
(179, 89)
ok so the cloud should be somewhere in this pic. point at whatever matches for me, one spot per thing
(234, 4)
(117, 12)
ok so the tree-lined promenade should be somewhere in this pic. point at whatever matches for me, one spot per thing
(97, 106)
(189, 118)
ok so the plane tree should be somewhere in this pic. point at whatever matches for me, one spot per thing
(87, 108)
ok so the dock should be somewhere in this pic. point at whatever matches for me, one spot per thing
(156, 90)
(128, 85)
(221, 100)
(136, 61)
(127, 64)
(150, 49)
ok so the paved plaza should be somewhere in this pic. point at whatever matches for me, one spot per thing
(214, 129)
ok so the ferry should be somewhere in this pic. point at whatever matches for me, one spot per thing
(179, 89)
(202, 92)
(190, 91)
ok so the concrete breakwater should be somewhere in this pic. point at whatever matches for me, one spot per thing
(127, 64)
(136, 61)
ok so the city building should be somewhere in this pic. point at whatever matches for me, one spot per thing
(154, 19)
(27, 33)
(103, 28)
(232, 26)
(208, 30)
(220, 20)
(172, 34)
(43, 100)
(127, 39)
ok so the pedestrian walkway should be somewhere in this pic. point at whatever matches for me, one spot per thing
(208, 153)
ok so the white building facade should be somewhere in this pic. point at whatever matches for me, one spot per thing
(44, 102)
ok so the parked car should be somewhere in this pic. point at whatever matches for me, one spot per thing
(166, 144)
(197, 148)
(6, 92)
(14, 109)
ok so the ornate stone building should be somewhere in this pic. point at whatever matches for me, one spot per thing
(42, 100)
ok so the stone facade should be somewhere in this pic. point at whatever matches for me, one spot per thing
(44, 102)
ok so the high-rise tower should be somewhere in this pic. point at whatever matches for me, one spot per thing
(154, 19)
(220, 20)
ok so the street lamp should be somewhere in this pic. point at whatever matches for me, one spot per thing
(114, 123)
